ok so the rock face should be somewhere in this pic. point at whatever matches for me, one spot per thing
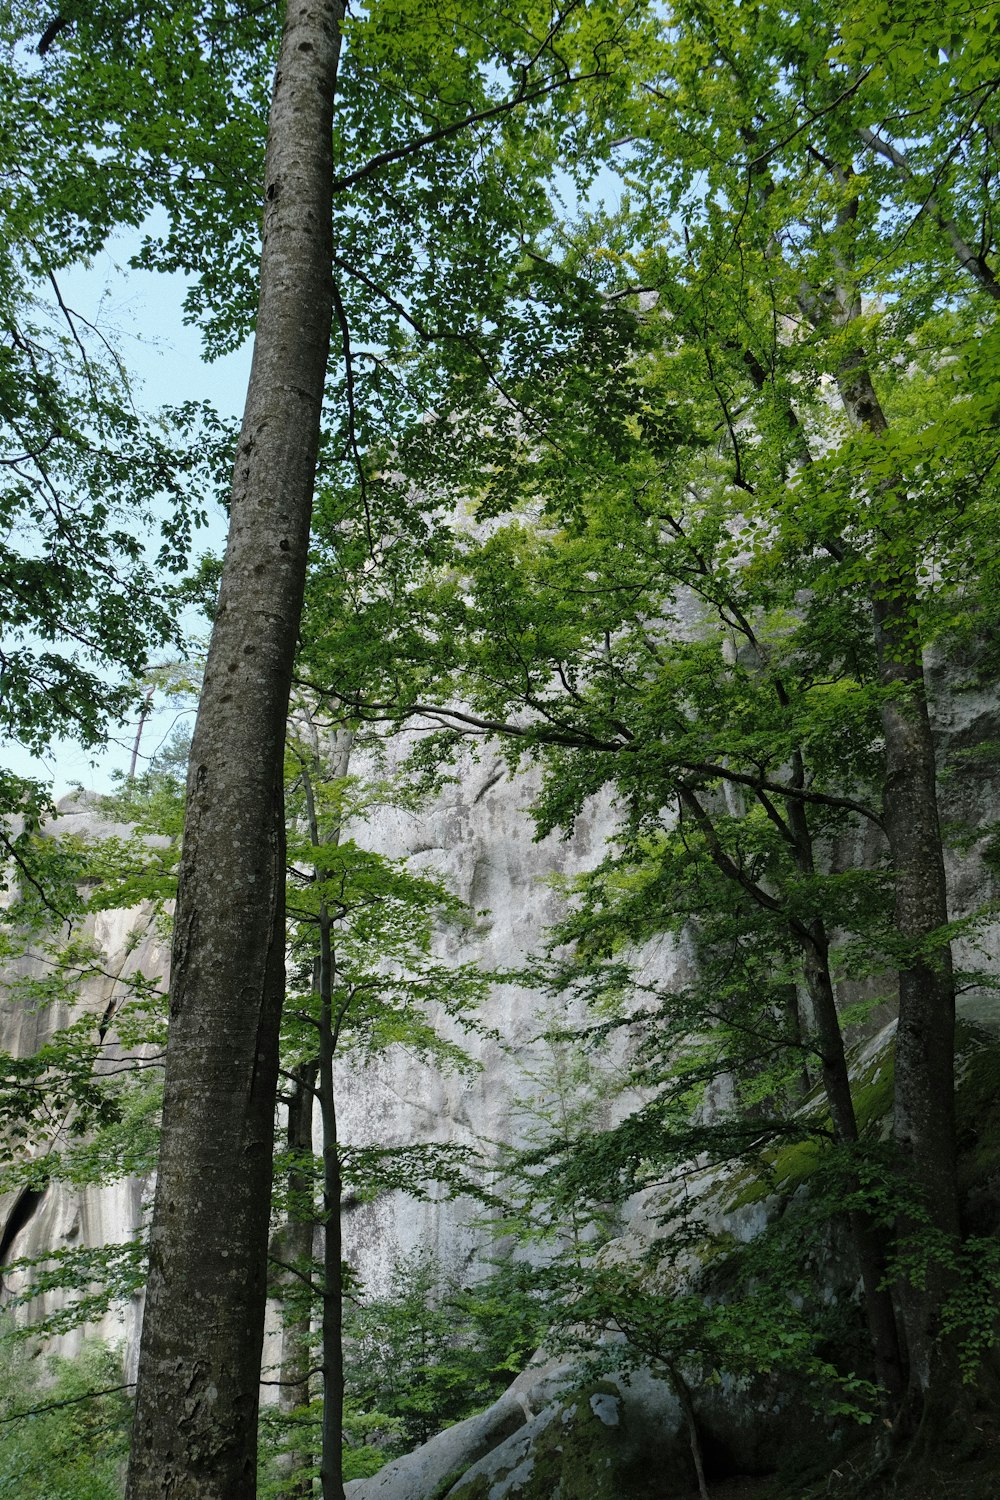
(61, 1217)
(479, 836)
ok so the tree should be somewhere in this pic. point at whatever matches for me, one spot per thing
(196, 1404)
(819, 263)
(361, 929)
(716, 401)
(196, 1398)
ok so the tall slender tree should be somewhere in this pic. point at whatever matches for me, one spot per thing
(199, 1367)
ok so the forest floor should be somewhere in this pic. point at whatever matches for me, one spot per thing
(968, 1479)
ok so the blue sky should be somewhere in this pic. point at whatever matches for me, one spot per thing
(141, 314)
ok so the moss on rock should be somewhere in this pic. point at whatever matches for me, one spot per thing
(578, 1450)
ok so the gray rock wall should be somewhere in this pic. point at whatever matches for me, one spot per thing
(63, 1217)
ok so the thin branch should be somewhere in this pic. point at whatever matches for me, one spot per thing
(285, 1265)
(975, 264)
(399, 153)
(814, 115)
(782, 789)
(776, 818)
(580, 739)
(34, 1411)
(300, 1380)
(33, 453)
(352, 429)
(725, 862)
(6, 843)
(68, 315)
(50, 33)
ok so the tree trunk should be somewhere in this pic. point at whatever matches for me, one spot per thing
(332, 1302)
(144, 713)
(296, 1306)
(868, 1240)
(682, 1391)
(791, 1017)
(195, 1433)
(814, 947)
(924, 1103)
(331, 1465)
(924, 1095)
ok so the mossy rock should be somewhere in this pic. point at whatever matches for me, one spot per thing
(580, 1449)
(784, 1169)
(872, 1091)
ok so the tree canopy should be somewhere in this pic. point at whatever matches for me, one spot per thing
(687, 497)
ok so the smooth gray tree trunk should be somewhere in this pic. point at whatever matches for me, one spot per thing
(195, 1432)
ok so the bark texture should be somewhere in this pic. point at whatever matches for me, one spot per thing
(199, 1367)
(924, 1096)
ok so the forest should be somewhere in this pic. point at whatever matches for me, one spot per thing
(596, 749)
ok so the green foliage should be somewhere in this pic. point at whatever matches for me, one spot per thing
(387, 986)
(648, 564)
(433, 1350)
(80, 1089)
(723, 424)
(759, 1332)
(88, 1280)
(65, 1424)
(79, 1020)
(99, 501)
(702, 1303)
(543, 1201)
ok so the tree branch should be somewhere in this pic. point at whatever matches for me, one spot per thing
(352, 430)
(975, 264)
(479, 116)
(7, 844)
(34, 1411)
